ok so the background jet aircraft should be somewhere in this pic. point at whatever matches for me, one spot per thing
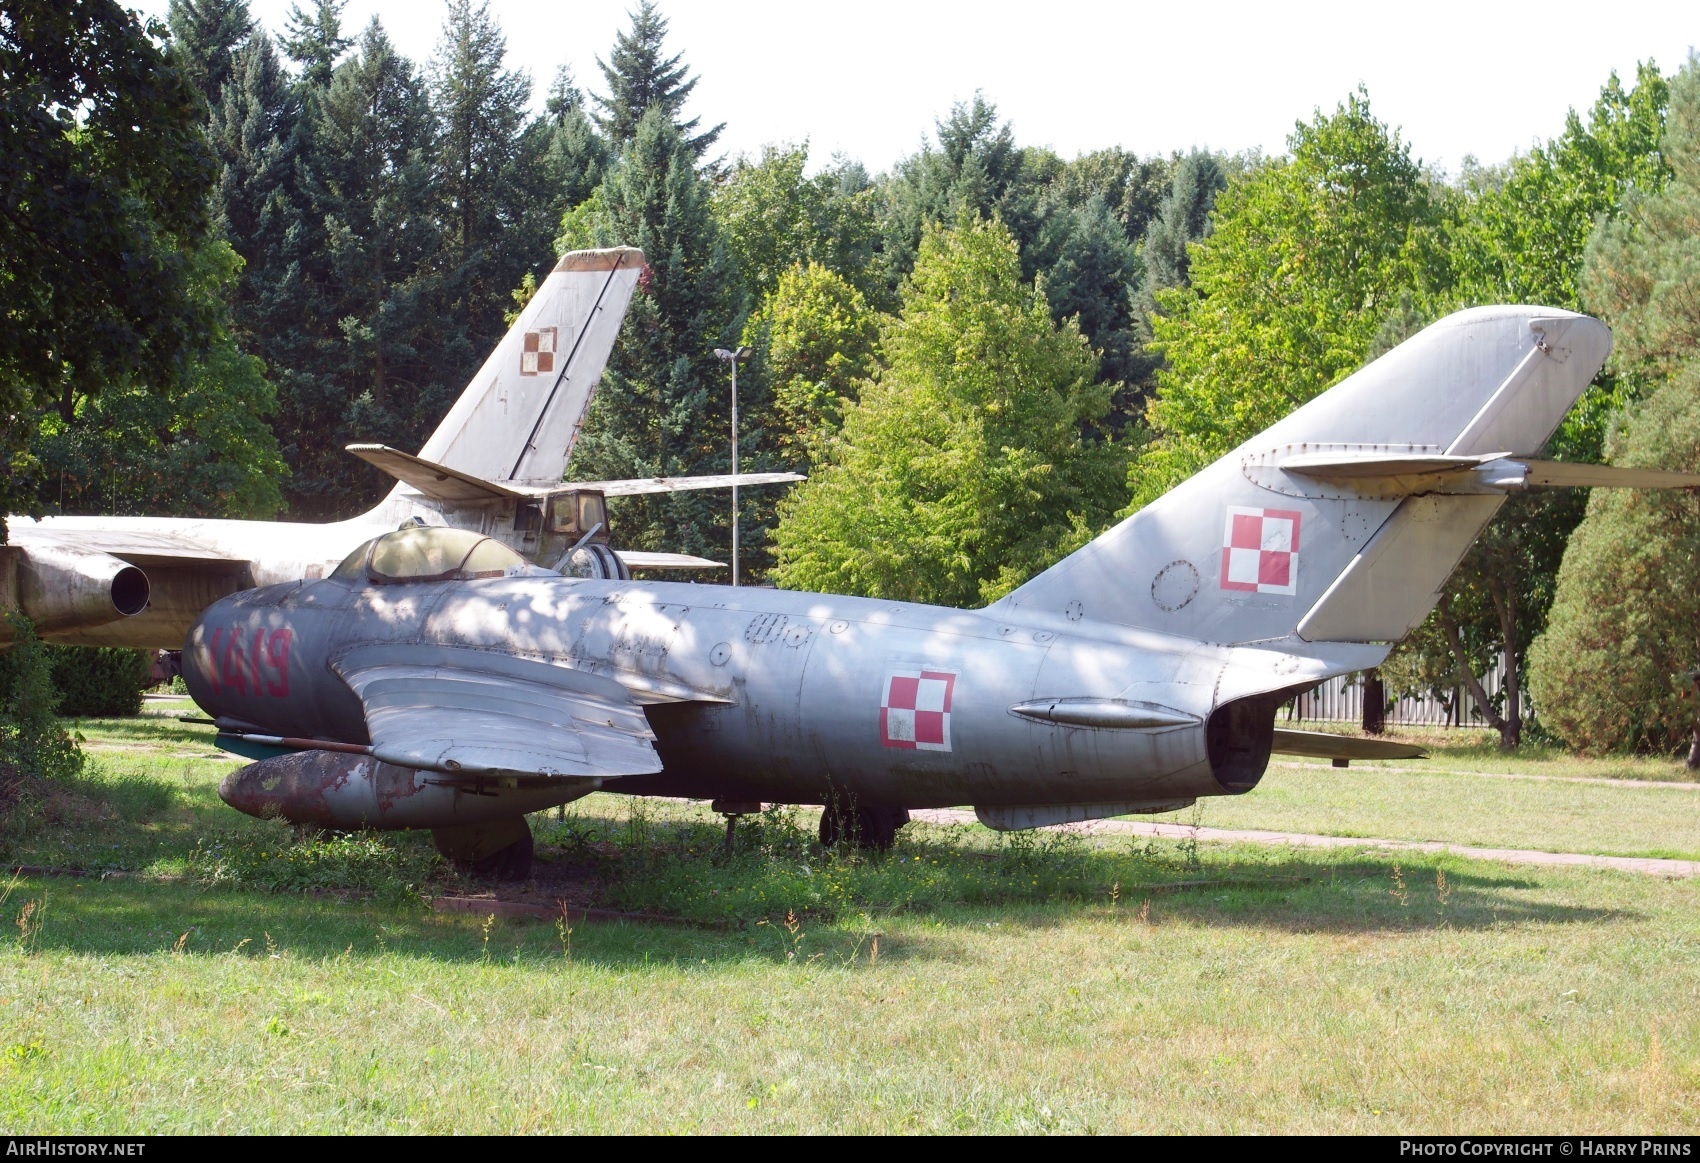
(437, 681)
(494, 465)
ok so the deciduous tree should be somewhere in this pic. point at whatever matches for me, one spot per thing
(961, 471)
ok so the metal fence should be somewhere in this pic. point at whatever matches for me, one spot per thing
(1342, 700)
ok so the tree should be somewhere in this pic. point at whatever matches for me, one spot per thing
(773, 217)
(205, 35)
(662, 409)
(362, 341)
(254, 132)
(1609, 671)
(815, 339)
(480, 110)
(1308, 254)
(1517, 237)
(315, 41)
(1182, 218)
(639, 78)
(103, 195)
(961, 470)
(199, 447)
(1091, 274)
(975, 169)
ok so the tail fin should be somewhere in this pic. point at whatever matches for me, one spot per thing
(518, 418)
(1249, 550)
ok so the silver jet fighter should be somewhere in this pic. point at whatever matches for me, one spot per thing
(437, 681)
(493, 465)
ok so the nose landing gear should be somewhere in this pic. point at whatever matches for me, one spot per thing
(496, 850)
(869, 827)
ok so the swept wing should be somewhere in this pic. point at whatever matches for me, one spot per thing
(476, 713)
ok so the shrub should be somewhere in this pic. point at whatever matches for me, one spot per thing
(100, 682)
(32, 743)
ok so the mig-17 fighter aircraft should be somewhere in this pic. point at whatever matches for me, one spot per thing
(437, 680)
(494, 466)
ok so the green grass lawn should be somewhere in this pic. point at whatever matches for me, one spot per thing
(963, 982)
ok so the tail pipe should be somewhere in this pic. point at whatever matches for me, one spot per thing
(61, 587)
(1240, 735)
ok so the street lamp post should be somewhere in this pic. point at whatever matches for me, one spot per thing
(732, 358)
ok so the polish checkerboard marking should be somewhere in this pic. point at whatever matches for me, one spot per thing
(1260, 551)
(915, 709)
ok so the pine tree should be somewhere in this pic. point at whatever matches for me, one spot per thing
(638, 78)
(480, 111)
(362, 356)
(663, 408)
(253, 130)
(315, 42)
(205, 35)
(1182, 217)
(1092, 274)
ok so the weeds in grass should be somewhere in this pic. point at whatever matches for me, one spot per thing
(1399, 891)
(394, 867)
(564, 932)
(661, 863)
(19, 1053)
(29, 924)
(484, 929)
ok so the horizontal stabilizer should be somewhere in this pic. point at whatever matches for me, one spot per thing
(436, 481)
(1605, 476)
(1321, 745)
(1391, 475)
(637, 559)
(634, 488)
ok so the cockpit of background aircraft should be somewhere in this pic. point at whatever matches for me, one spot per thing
(430, 553)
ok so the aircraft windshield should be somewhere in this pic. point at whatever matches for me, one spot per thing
(429, 553)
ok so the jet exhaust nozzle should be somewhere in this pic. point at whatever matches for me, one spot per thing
(60, 587)
(333, 789)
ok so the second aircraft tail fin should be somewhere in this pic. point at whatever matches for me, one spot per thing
(520, 415)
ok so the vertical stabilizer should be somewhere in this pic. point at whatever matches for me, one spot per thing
(519, 417)
(1258, 547)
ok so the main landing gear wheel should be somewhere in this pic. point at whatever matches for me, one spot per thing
(497, 850)
(868, 826)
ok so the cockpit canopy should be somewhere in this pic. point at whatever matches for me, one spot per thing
(427, 553)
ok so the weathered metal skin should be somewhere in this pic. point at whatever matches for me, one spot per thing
(798, 681)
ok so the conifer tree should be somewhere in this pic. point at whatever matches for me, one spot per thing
(205, 35)
(663, 409)
(253, 130)
(1611, 669)
(640, 77)
(479, 106)
(365, 360)
(315, 41)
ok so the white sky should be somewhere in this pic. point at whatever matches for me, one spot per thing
(868, 78)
